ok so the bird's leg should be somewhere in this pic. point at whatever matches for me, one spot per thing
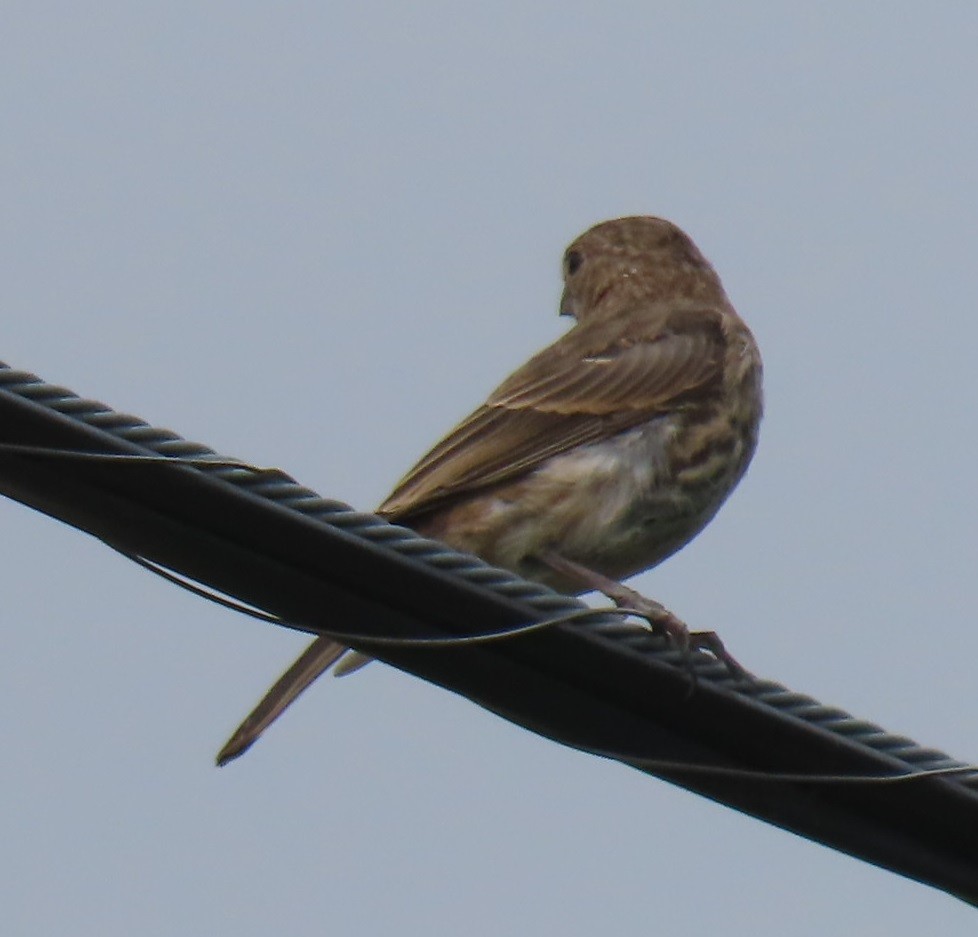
(661, 619)
(657, 615)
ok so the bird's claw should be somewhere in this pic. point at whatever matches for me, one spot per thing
(660, 619)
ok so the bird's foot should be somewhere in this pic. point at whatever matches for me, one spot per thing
(655, 613)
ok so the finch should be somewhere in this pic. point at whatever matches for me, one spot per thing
(603, 454)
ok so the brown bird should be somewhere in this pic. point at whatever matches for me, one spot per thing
(601, 456)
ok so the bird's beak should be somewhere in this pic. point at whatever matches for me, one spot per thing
(567, 305)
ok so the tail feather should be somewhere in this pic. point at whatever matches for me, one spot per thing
(317, 658)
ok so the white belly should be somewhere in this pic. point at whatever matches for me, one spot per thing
(611, 506)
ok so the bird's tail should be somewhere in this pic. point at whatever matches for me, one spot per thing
(317, 658)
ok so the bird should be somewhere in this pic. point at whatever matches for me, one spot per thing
(604, 454)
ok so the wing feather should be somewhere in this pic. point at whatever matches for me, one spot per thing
(589, 385)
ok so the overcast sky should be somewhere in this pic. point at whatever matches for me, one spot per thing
(314, 236)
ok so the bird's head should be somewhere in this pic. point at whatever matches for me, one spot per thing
(627, 260)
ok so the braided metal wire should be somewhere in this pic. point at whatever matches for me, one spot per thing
(278, 487)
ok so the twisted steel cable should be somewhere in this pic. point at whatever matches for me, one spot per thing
(602, 692)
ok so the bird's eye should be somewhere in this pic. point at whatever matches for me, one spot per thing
(572, 262)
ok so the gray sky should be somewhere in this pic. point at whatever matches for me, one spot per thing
(314, 236)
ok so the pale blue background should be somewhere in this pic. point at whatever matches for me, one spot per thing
(314, 235)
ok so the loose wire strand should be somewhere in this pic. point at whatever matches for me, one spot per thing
(377, 640)
(581, 615)
(647, 764)
(85, 455)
